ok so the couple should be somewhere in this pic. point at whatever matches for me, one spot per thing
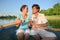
(37, 21)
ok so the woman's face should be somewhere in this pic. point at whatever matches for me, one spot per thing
(25, 10)
(34, 10)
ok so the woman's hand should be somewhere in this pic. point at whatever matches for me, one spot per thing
(22, 21)
(18, 21)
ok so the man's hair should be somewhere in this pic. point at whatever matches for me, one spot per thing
(36, 6)
(22, 7)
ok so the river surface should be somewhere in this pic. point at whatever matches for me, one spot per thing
(6, 21)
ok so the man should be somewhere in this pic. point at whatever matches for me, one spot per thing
(39, 22)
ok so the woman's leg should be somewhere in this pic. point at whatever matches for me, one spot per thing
(20, 34)
(27, 34)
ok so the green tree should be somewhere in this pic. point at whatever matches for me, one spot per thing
(52, 11)
(56, 8)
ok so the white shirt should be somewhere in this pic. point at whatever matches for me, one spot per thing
(40, 19)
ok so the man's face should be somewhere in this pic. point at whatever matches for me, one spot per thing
(34, 10)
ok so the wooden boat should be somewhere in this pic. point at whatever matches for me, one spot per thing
(8, 32)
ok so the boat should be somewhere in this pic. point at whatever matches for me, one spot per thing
(9, 33)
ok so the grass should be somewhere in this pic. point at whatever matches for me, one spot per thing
(54, 21)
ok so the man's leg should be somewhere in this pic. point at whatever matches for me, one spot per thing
(46, 35)
(35, 35)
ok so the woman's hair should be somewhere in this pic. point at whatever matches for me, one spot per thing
(36, 6)
(23, 7)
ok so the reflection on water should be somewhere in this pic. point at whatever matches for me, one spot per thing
(6, 21)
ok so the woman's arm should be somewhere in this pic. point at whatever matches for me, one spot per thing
(18, 22)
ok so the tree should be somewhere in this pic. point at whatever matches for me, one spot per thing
(57, 8)
(52, 11)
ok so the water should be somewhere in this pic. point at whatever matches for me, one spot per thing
(6, 21)
(5, 34)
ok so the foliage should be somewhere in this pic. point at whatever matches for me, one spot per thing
(54, 21)
(7, 17)
(52, 11)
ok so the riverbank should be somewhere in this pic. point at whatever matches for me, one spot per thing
(54, 21)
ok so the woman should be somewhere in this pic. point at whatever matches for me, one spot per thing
(23, 21)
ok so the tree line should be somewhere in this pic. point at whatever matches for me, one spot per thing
(52, 11)
(7, 17)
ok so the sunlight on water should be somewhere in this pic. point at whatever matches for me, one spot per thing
(2, 22)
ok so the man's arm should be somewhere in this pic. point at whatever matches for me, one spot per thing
(44, 21)
(42, 26)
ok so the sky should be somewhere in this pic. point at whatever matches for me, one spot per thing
(12, 7)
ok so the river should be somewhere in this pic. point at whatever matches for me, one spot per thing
(6, 21)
